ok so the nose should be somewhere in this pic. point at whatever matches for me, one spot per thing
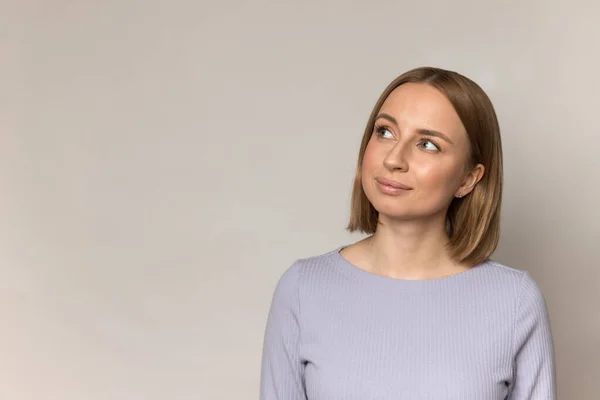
(397, 158)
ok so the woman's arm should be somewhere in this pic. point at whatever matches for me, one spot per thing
(534, 369)
(282, 371)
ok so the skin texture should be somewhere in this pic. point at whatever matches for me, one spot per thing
(420, 142)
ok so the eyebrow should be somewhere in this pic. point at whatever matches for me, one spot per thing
(422, 131)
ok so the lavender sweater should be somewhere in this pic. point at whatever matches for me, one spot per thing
(335, 331)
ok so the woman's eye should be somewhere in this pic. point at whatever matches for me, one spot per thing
(384, 131)
(429, 145)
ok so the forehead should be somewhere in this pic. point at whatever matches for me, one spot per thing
(418, 105)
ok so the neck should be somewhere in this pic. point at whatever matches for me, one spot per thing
(410, 249)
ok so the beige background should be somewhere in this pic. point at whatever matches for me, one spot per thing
(163, 162)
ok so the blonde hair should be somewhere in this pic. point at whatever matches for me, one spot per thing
(473, 222)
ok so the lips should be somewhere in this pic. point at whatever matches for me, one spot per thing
(392, 184)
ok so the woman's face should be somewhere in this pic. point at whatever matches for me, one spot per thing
(416, 160)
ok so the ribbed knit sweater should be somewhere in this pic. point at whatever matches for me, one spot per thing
(336, 331)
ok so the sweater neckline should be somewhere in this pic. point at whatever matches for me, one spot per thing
(364, 275)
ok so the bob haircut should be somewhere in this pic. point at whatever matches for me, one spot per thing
(472, 222)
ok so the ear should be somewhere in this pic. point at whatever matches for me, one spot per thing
(470, 180)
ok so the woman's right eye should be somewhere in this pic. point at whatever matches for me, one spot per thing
(382, 131)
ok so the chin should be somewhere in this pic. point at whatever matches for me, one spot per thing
(393, 208)
(404, 208)
(400, 215)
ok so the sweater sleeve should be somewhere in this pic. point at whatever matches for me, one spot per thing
(282, 370)
(533, 368)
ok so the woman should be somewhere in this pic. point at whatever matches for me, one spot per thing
(416, 310)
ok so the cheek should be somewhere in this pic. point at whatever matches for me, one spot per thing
(371, 164)
(370, 159)
(444, 178)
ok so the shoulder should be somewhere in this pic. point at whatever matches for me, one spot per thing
(315, 268)
(502, 274)
(315, 264)
(503, 271)
(519, 276)
(525, 291)
(312, 274)
(505, 284)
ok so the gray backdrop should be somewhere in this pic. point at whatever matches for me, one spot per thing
(163, 162)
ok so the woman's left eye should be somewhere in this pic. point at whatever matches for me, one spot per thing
(429, 145)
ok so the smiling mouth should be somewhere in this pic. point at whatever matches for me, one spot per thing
(390, 184)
